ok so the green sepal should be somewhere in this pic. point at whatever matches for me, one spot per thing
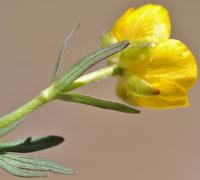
(137, 85)
(135, 49)
(107, 39)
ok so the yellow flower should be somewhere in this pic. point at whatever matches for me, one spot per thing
(152, 61)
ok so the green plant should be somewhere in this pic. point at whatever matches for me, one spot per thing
(59, 89)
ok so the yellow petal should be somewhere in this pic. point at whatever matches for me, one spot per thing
(172, 61)
(149, 21)
(172, 69)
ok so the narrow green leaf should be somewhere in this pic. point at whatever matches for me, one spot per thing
(19, 172)
(30, 144)
(7, 129)
(36, 163)
(92, 101)
(79, 68)
(61, 52)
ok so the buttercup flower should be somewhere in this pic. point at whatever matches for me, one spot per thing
(157, 71)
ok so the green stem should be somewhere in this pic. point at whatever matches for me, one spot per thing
(24, 110)
(93, 77)
(52, 92)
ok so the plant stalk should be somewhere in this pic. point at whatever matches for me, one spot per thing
(93, 77)
(52, 92)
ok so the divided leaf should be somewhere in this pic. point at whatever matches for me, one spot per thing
(79, 68)
(19, 172)
(31, 144)
(26, 166)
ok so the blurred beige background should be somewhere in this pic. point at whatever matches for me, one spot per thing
(102, 145)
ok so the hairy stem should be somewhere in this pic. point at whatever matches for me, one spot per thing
(52, 92)
(93, 77)
(24, 110)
